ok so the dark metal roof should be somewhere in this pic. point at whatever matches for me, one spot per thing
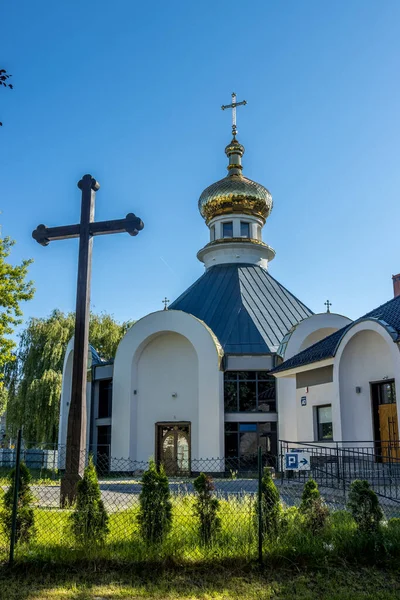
(246, 308)
(388, 314)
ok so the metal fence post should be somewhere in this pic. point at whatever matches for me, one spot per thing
(259, 500)
(15, 499)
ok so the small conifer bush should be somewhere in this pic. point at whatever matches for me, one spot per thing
(155, 512)
(206, 508)
(25, 524)
(315, 512)
(364, 505)
(89, 520)
(270, 505)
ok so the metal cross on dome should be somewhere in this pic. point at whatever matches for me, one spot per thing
(328, 306)
(233, 107)
(165, 302)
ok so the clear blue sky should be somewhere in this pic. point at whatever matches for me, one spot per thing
(131, 93)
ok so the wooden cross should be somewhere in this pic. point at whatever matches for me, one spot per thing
(328, 305)
(233, 107)
(165, 302)
(85, 230)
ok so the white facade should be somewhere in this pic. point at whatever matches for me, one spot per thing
(167, 369)
(365, 355)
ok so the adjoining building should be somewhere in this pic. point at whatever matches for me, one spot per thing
(343, 388)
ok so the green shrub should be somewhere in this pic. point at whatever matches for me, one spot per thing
(394, 524)
(25, 524)
(364, 506)
(155, 513)
(89, 521)
(313, 508)
(206, 508)
(270, 505)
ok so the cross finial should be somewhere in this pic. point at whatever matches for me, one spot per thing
(165, 302)
(233, 107)
(328, 306)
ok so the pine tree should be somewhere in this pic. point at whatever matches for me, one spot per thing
(313, 508)
(364, 506)
(155, 513)
(25, 524)
(206, 508)
(89, 519)
(270, 505)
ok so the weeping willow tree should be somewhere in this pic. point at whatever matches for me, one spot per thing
(34, 378)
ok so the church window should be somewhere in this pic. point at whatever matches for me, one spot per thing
(243, 439)
(105, 398)
(324, 423)
(212, 233)
(227, 229)
(249, 391)
(244, 229)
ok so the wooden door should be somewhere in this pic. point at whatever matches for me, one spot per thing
(389, 432)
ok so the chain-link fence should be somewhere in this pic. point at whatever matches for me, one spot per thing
(242, 508)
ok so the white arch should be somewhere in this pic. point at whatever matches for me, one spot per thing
(373, 357)
(208, 387)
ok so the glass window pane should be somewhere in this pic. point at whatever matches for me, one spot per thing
(247, 426)
(212, 233)
(230, 375)
(248, 443)
(230, 396)
(265, 376)
(324, 418)
(231, 427)
(231, 444)
(247, 396)
(388, 395)
(244, 229)
(266, 396)
(105, 398)
(245, 375)
(227, 229)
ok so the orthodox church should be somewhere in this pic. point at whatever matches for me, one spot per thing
(204, 378)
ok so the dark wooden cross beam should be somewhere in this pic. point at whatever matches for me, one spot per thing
(85, 230)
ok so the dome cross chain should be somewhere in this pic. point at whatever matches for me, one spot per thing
(233, 107)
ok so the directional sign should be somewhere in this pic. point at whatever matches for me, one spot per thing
(297, 461)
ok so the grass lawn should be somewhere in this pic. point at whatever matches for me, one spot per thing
(199, 583)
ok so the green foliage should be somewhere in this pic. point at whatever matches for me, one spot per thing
(270, 505)
(155, 513)
(34, 379)
(364, 506)
(394, 524)
(206, 508)
(14, 289)
(314, 511)
(89, 520)
(25, 524)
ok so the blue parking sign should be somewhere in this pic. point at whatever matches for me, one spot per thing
(292, 460)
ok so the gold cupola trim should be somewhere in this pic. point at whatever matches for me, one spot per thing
(235, 193)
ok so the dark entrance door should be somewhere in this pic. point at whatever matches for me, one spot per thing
(173, 447)
(385, 420)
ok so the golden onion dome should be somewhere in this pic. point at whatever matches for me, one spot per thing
(235, 193)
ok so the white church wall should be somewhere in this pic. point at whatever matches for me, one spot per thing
(151, 359)
(167, 389)
(366, 354)
(65, 401)
(286, 407)
(316, 395)
(312, 330)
